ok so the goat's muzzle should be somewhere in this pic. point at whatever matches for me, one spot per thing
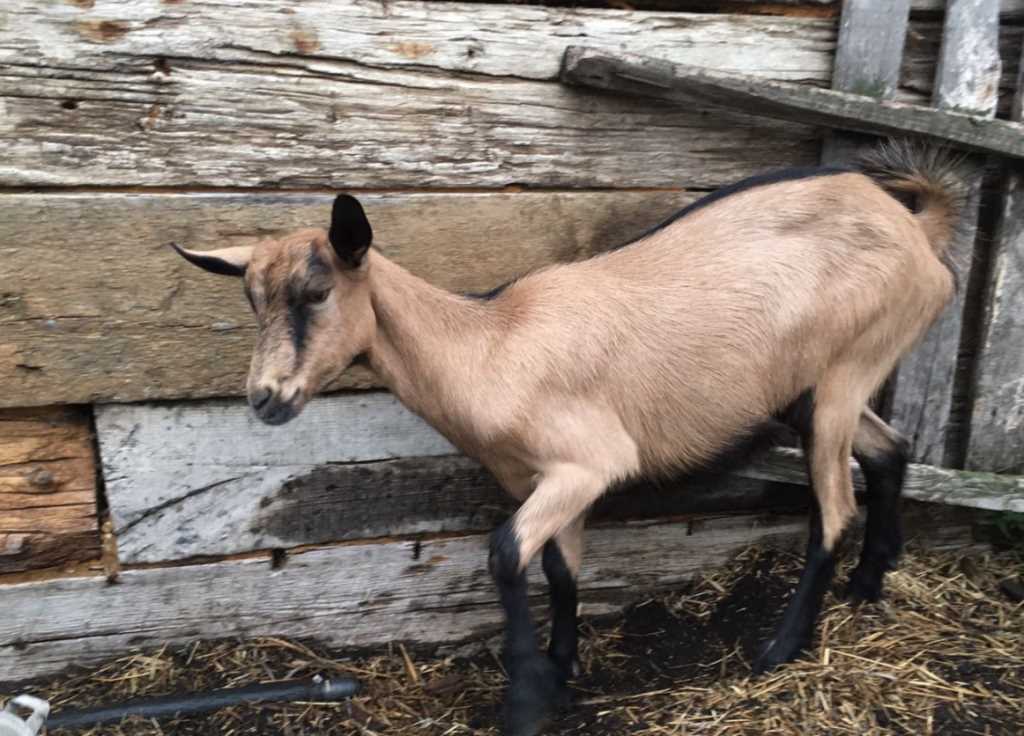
(272, 408)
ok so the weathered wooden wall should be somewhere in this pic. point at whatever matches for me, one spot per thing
(128, 125)
(478, 106)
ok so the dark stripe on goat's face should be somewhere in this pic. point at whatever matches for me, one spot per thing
(298, 328)
(760, 180)
(300, 309)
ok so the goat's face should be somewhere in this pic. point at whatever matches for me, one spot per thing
(311, 299)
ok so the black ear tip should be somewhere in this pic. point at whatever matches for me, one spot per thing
(346, 203)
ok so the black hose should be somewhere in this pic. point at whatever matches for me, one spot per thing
(316, 689)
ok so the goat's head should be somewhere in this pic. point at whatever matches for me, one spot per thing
(311, 299)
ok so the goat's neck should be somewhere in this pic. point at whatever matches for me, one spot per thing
(429, 342)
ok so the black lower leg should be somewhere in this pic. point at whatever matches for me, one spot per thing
(536, 685)
(564, 633)
(797, 628)
(883, 536)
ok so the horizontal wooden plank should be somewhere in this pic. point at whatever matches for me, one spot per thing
(923, 482)
(355, 595)
(132, 321)
(649, 76)
(361, 94)
(371, 95)
(47, 489)
(1006, 7)
(180, 484)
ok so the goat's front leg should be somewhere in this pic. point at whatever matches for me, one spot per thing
(537, 684)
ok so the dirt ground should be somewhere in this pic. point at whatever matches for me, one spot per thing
(943, 654)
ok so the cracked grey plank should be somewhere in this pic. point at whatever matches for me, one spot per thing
(355, 595)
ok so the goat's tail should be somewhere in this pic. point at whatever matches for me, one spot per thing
(934, 175)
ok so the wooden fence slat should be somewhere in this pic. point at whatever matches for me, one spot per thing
(996, 441)
(928, 483)
(180, 483)
(1006, 7)
(364, 594)
(47, 489)
(650, 77)
(967, 80)
(371, 95)
(354, 595)
(381, 95)
(869, 57)
(132, 321)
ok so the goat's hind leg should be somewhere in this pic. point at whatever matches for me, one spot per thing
(881, 453)
(827, 435)
(538, 684)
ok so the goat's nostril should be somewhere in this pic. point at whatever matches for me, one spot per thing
(260, 397)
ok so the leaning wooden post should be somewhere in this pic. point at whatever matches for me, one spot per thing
(996, 440)
(967, 80)
(868, 57)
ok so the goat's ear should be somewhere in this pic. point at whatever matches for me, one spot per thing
(350, 232)
(225, 261)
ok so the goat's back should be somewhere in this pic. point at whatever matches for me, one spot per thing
(703, 329)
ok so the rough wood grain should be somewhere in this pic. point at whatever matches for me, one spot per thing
(996, 440)
(369, 94)
(1006, 7)
(132, 321)
(47, 489)
(967, 80)
(354, 595)
(648, 76)
(180, 484)
(923, 482)
(869, 56)
(870, 47)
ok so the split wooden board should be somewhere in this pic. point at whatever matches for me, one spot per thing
(47, 489)
(355, 595)
(368, 94)
(206, 478)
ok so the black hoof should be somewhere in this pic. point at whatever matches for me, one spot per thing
(537, 692)
(775, 653)
(570, 668)
(865, 585)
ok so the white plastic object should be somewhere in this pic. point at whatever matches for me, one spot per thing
(11, 724)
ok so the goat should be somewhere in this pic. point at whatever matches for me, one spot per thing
(789, 296)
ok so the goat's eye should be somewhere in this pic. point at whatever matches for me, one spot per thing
(318, 296)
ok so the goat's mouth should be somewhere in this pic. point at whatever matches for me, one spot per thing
(271, 408)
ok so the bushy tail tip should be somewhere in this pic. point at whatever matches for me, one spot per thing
(934, 175)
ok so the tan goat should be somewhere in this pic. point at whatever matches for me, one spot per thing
(789, 296)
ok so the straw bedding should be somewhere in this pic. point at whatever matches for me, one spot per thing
(943, 654)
